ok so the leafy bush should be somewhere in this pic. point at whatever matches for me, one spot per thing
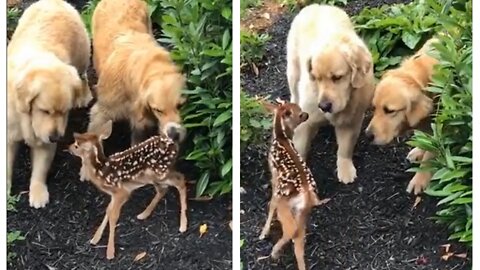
(12, 236)
(87, 14)
(451, 140)
(253, 121)
(252, 47)
(199, 34)
(13, 14)
(394, 31)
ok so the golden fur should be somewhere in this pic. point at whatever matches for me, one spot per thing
(47, 59)
(401, 104)
(138, 80)
(330, 75)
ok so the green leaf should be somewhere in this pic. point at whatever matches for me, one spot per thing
(202, 184)
(222, 118)
(227, 167)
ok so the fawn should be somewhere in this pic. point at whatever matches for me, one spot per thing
(149, 162)
(293, 185)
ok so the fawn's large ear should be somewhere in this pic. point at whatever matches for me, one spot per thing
(105, 130)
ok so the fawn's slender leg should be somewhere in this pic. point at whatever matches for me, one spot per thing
(299, 246)
(118, 200)
(161, 191)
(279, 245)
(98, 234)
(180, 185)
(271, 211)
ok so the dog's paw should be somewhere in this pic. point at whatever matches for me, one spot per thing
(346, 171)
(39, 196)
(418, 183)
(415, 155)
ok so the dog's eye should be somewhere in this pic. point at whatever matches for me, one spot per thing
(336, 78)
(44, 111)
(158, 110)
(387, 110)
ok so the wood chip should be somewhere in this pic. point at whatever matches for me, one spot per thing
(140, 256)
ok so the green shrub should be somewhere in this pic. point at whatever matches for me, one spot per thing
(12, 236)
(13, 14)
(253, 121)
(394, 31)
(199, 34)
(252, 47)
(451, 140)
(87, 13)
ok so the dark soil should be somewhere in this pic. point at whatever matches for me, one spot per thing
(370, 224)
(57, 237)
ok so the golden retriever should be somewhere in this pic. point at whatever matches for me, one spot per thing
(138, 81)
(330, 75)
(47, 59)
(401, 104)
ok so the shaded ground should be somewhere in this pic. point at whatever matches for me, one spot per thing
(367, 225)
(57, 237)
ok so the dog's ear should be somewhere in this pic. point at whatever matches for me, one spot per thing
(420, 107)
(27, 89)
(81, 91)
(360, 61)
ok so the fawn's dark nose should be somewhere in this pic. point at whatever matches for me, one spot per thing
(54, 138)
(173, 134)
(325, 106)
(304, 116)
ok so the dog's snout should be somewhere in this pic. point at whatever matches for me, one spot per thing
(173, 133)
(325, 106)
(54, 138)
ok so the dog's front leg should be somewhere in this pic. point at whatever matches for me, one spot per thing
(303, 136)
(12, 151)
(421, 179)
(42, 157)
(347, 137)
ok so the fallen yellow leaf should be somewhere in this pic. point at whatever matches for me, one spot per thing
(140, 256)
(203, 229)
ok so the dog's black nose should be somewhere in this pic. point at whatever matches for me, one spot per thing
(325, 106)
(173, 134)
(369, 135)
(54, 138)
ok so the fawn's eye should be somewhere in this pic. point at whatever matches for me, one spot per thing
(336, 78)
(388, 111)
(179, 106)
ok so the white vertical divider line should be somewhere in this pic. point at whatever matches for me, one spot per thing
(236, 134)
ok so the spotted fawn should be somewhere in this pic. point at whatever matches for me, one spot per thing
(150, 162)
(293, 185)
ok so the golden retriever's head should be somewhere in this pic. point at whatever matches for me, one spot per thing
(399, 105)
(162, 99)
(47, 95)
(338, 69)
